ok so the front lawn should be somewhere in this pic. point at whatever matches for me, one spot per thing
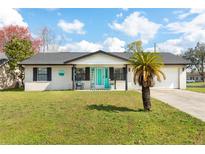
(95, 117)
(196, 86)
(202, 90)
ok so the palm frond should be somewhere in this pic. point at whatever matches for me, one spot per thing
(146, 66)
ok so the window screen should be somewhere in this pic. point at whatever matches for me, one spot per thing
(42, 74)
(80, 74)
(119, 74)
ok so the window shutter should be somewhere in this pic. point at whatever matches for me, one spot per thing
(49, 74)
(34, 74)
(111, 70)
(87, 73)
(124, 73)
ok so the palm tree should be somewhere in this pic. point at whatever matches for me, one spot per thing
(147, 66)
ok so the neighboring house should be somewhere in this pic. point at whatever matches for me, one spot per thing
(6, 79)
(94, 70)
(194, 76)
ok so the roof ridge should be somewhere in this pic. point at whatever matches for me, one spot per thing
(65, 57)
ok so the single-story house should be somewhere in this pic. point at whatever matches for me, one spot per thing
(194, 76)
(94, 70)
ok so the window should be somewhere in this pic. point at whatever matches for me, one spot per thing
(196, 78)
(80, 74)
(119, 74)
(42, 74)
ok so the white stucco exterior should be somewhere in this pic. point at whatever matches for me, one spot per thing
(175, 78)
(57, 83)
(175, 74)
(99, 59)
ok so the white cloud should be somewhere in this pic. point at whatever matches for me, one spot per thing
(166, 19)
(75, 26)
(177, 27)
(172, 45)
(110, 44)
(196, 24)
(114, 44)
(119, 15)
(82, 46)
(136, 25)
(191, 31)
(197, 10)
(182, 43)
(11, 17)
(183, 15)
(125, 9)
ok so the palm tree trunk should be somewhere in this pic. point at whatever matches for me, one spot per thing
(146, 98)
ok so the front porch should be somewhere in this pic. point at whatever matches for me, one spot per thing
(99, 77)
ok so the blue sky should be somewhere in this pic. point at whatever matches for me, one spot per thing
(173, 30)
(96, 21)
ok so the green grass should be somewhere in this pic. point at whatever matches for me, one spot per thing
(196, 84)
(99, 117)
(201, 90)
(196, 87)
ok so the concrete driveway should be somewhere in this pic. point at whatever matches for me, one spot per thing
(192, 103)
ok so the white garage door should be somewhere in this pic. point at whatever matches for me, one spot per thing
(172, 78)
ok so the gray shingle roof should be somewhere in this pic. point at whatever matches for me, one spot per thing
(53, 57)
(59, 58)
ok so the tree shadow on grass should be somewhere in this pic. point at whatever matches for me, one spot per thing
(112, 108)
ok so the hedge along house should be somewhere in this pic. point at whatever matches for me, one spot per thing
(94, 70)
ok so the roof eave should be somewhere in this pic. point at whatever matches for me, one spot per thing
(92, 53)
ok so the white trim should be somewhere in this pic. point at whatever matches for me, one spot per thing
(99, 59)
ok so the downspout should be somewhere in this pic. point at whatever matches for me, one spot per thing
(73, 73)
(179, 79)
(126, 87)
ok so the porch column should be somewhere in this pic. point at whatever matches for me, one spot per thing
(73, 76)
(126, 87)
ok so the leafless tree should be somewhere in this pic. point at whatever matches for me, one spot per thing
(51, 41)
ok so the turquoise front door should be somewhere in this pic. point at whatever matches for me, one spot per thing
(99, 78)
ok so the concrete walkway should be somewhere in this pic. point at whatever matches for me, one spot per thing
(192, 103)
